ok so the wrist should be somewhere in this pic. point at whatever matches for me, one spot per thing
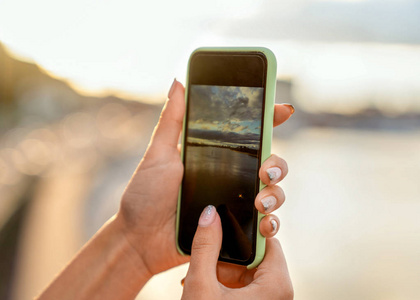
(127, 256)
(107, 267)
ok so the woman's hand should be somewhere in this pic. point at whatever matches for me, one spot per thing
(269, 281)
(148, 207)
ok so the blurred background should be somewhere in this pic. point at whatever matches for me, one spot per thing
(81, 87)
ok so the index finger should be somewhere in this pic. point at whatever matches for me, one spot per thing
(282, 113)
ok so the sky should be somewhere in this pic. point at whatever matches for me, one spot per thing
(340, 54)
(225, 115)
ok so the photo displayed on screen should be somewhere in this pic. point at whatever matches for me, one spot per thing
(221, 161)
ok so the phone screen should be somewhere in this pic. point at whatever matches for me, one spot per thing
(222, 142)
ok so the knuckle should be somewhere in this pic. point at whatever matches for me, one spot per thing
(201, 245)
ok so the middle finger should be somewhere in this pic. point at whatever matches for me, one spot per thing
(269, 199)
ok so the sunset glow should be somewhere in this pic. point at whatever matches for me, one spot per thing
(136, 49)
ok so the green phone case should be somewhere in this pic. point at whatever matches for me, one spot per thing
(266, 136)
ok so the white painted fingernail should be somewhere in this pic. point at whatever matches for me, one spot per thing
(268, 202)
(274, 173)
(207, 216)
(274, 224)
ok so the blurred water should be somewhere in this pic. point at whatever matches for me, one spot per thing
(350, 225)
(351, 221)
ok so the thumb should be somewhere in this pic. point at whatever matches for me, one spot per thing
(206, 244)
(170, 123)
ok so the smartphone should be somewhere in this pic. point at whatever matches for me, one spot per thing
(226, 136)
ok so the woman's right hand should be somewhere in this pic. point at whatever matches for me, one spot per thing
(269, 281)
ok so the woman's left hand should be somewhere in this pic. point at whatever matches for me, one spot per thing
(148, 207)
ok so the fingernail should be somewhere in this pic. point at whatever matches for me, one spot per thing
(207, 216)
(268, 202)
(291, 107)
(173, 86)
(274, 224)
(274, 173)
(182, 281)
